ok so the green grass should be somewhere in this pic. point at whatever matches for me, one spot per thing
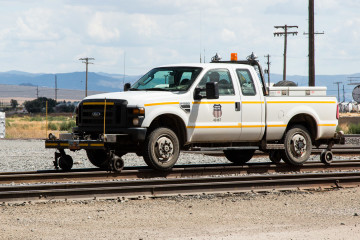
(52, 126)
(354, 129)
(67, 126)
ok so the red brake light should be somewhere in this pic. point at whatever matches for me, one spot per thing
(337, 111)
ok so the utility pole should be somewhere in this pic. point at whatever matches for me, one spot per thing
(56, 89)
(338, 83)
(343, 93)
(268, 68)
(285, 33)
(86, 61)
(37, 91)
(312, 43)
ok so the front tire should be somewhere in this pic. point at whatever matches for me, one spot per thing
(239, 157)
(297, 145)
(162, 149)
(98, 158)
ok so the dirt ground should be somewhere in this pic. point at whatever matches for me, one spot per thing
(296, 215)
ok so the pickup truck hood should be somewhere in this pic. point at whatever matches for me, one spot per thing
(140, 97)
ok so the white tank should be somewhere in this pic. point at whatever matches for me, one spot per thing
(2, 125)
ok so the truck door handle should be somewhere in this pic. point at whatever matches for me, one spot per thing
(237, 106)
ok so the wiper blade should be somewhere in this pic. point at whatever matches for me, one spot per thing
(155, 89)
(134, 89)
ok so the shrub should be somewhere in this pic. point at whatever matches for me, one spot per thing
(67, 126)
(354, 129)
(52, 126)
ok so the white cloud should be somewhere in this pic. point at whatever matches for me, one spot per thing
(227, 35)
(144, 25)
(35, 24)
(103, 27)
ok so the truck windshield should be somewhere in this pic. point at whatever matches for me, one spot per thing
(167, 79)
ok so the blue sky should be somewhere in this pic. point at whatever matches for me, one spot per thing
(45, 36)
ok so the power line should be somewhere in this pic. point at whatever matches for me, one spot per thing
(86, 61)
(285, 33)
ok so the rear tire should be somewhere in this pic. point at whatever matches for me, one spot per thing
(161, 149)
(275, 156)
(239, 157)
(297, 145)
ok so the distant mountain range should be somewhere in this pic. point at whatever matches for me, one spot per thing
(105, 82)
(102, 82)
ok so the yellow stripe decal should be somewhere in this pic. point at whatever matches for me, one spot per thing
(327, 125)
(164, 103)
(277, 125)
(98, 103)
(252, 126)
(237, 126)
(214, 126)
(301, 102)
(83, 144)
(51, 144)
(97, 145)
(224, 102)
(252, 102)
(64, 144)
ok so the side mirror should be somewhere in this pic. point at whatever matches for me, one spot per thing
(127, 86)
(212, 90)
(197, 95)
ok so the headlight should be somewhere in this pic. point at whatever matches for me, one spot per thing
(139, 111)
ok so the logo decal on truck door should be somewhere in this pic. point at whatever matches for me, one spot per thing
(217, 113)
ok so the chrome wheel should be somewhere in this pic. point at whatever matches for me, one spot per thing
(164, 148)
(298, 145)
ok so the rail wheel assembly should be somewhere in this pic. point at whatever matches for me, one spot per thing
(326, 157)
(116, 163)
(62, 160)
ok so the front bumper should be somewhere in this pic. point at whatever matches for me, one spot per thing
(129, 136)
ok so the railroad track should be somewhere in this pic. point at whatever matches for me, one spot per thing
(187, 179)
(94, 174)
(183, 186)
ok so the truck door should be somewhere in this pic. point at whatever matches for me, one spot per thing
(252, 106)
(216, 120)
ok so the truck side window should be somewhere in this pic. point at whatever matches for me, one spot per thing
(222, 76)
(246, 82)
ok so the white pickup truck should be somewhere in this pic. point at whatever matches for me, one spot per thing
(223, 104)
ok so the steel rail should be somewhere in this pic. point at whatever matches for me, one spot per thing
(183, 186)
(176, 172)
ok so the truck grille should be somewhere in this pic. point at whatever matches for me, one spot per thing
(91, 115)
